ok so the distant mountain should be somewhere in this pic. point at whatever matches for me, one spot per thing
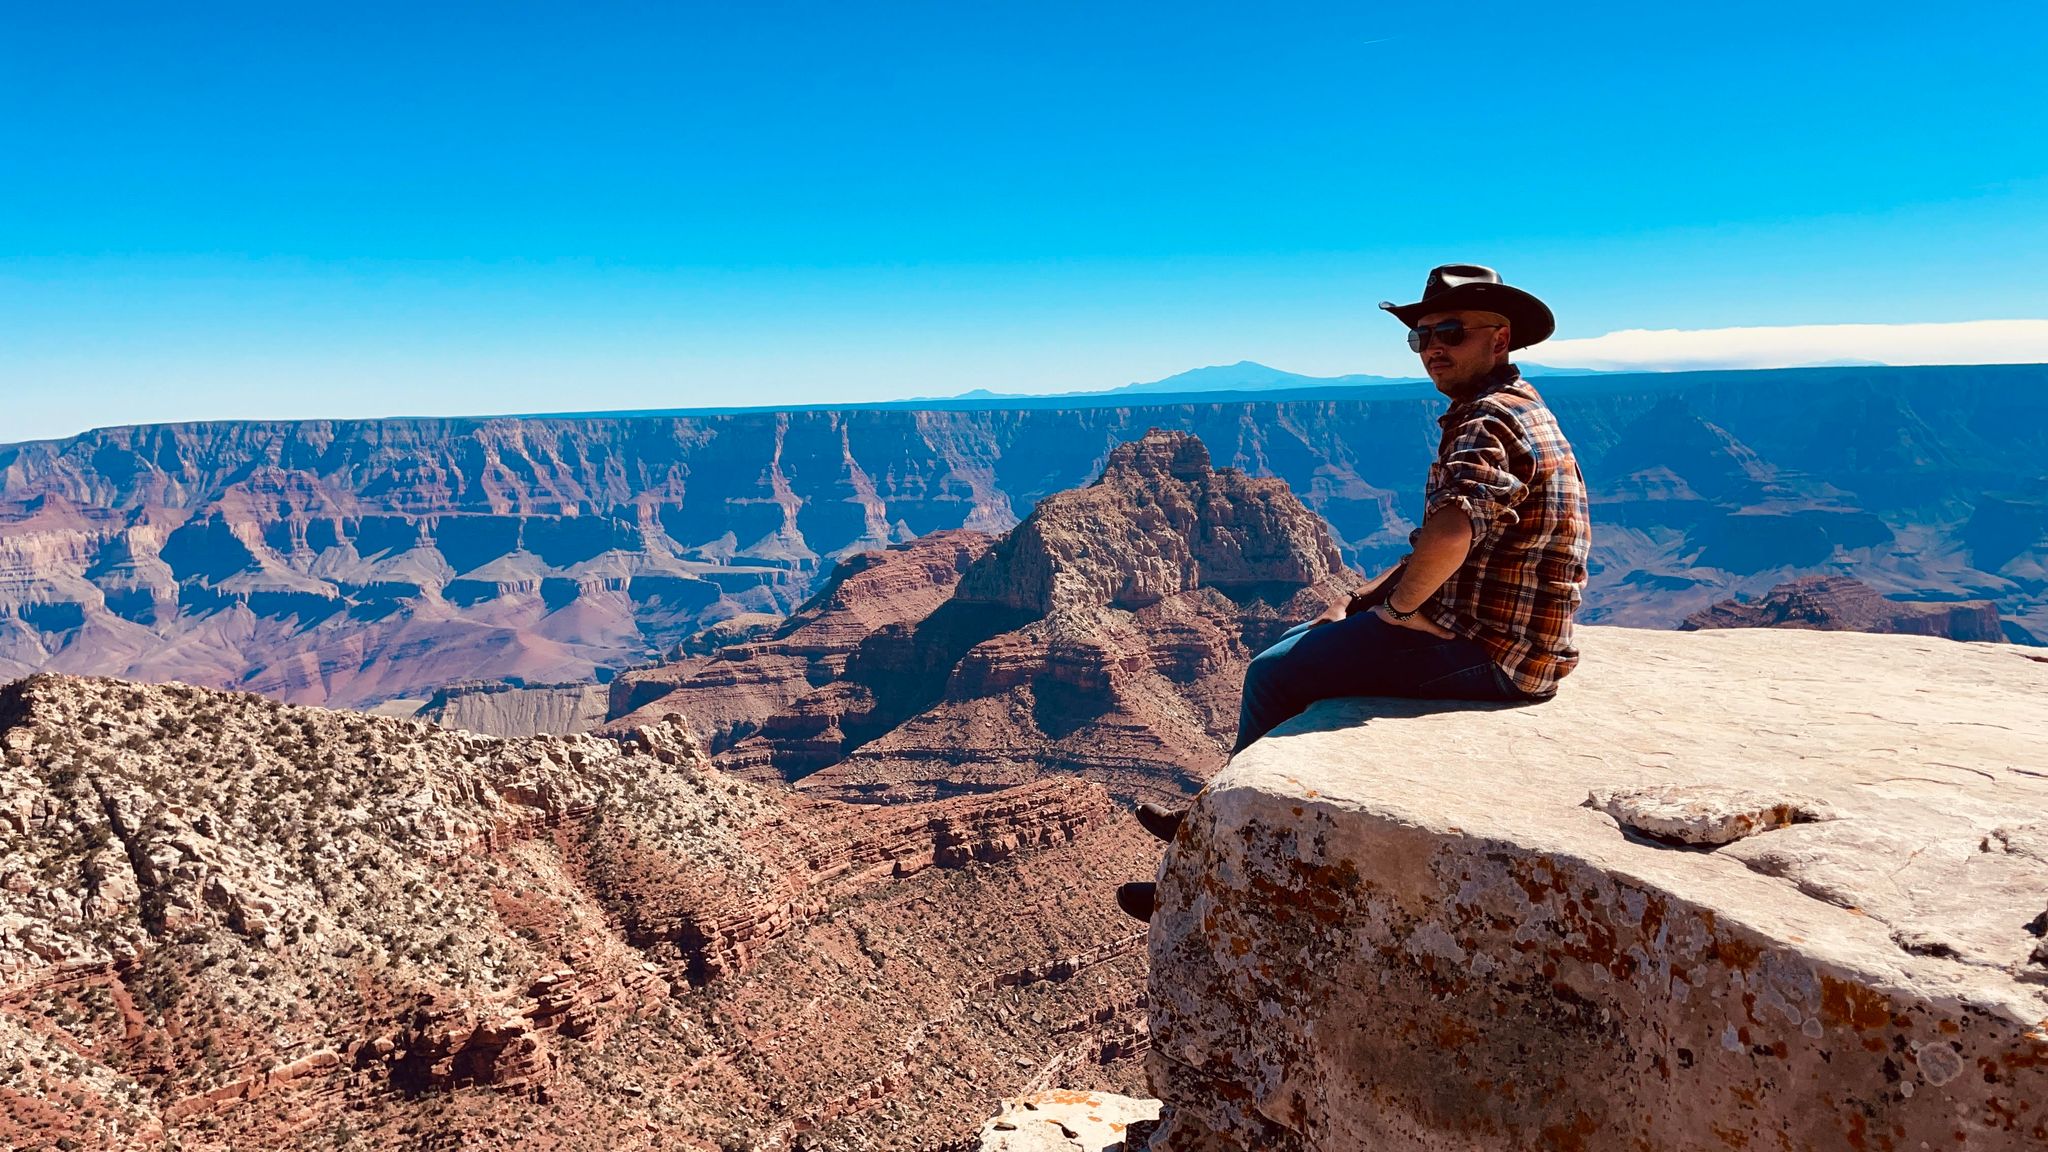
(1243, 376)
(1247, 376)
(1531, 368)
(1250, 376)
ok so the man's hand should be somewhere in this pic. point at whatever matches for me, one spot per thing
(1332, 614)
(1374, 591)
(1418, 622)
(1377, 588)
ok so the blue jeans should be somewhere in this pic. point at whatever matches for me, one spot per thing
(1362, 655)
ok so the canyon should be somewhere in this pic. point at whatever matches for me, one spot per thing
(1105, 637)
(353, 563)
(229, 923)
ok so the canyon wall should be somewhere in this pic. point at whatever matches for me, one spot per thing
(351, 562)
(1845, 604)
(228, 923)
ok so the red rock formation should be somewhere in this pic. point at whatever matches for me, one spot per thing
(1106, 636)
(228, 923)
(1843, 604)
(728, 692)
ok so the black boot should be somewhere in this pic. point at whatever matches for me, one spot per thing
(1137, 898)
(1161, 822)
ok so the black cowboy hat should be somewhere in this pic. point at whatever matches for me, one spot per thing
(1455, 287)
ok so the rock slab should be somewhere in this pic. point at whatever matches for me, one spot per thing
(1396, 925)
(1064, 1120)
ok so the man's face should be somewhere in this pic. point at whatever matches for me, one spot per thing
(1454, 370)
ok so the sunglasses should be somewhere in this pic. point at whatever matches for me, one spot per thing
(1449, 333)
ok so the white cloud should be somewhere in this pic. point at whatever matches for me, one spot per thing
(1965, 342)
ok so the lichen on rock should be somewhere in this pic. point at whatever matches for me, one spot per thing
(1398, 925)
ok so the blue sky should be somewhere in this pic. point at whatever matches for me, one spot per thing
(300, 210)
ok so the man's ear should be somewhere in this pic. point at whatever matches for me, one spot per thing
(1502, 337)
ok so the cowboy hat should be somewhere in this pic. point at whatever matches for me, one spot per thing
(1460, 287)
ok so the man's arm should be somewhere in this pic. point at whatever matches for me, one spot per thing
(1483, 481)
(1440, 550)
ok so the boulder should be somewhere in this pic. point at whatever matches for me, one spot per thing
(1405, 925)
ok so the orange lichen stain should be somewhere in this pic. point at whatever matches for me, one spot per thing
(1538, 890)
(1454, 1034)
(1949, 1027)
(1572, 1138)
(1297, 809)
(1729, 1136)
(1735, 953)
(1873, 1044)
(1843, 1003)
(1311, 793)
(1653, 917)
(1239, 945)
(1857, 1130)
(1067, 1097)
(2015, 1060)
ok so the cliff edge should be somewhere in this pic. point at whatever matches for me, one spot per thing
(1729, 889)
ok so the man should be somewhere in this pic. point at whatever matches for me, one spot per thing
(1481, 608)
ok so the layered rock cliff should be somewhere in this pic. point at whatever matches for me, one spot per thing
(729, 691)
(1735, 889)
(1105, 636)
(1843, 604)
(229, 923)
(503, 708)
(354, 562)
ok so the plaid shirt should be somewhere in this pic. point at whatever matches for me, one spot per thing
(1503, 462)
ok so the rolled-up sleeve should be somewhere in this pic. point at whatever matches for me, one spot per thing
(1481, 474)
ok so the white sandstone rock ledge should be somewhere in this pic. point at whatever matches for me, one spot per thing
(1395, 925)
(1065, 1120)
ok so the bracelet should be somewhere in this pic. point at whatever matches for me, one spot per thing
(1394, 613)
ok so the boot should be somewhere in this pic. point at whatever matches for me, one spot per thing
(1161, 822)
(1137, 899)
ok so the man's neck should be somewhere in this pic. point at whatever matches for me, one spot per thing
(1501, 373)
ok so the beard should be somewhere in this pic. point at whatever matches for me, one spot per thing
(1465, 385)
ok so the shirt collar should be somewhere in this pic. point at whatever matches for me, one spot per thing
(1504, 378)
